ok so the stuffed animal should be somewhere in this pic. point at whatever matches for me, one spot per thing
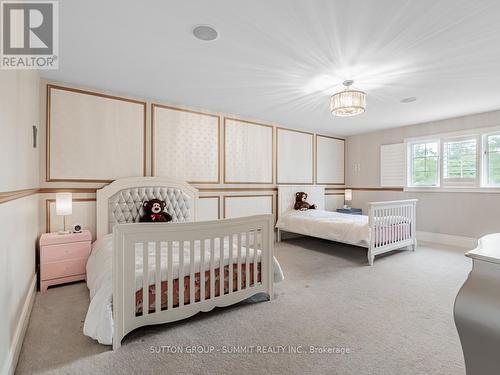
(301, 204)
(153, 212)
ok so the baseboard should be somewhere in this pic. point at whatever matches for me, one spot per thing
(10, 366)
(447, 239)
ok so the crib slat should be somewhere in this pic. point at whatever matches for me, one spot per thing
(405, 234)
(385, 226)
(401, 229)
(247, 260)
(255, 259)
(238, 278)
(145, 279)
(230, 264)
(191, 273)
(181, 273)
(391, 226)
(158, 277)
(395, 224)
(409, 219)
(170, 281)
(212, 268)
(221, 266)
(400, 225)
(202, 270)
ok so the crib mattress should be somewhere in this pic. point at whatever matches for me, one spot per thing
(99, 320)
(346, 228)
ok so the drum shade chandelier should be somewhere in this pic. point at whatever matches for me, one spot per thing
(348, 102)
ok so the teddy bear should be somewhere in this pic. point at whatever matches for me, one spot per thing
(301, 204)
(153, 212)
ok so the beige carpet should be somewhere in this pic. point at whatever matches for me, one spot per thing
(394, 318)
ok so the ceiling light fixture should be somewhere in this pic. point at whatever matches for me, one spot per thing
(348, 102)
(205, 32)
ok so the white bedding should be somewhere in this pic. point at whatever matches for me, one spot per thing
(99, 319)
(329, 225)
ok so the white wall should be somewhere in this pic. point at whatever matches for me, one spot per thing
(19, 170)
(19, 111)
(460, 214)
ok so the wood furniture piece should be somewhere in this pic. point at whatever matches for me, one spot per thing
(63, 258)
(350, 211)
(477, 309)
(117, 210)
(392, 224)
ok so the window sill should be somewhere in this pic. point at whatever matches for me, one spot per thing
(448, 189)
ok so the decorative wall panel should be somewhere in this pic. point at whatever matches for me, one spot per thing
(208, 208)
(93, 137)
(185, 144)
(329, 160)
(248, 155)
(295, 159)
(248, 205)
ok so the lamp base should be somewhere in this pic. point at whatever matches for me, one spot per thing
(64, 231)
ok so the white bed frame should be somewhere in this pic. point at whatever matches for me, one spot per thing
(254, 232)
(382, 218)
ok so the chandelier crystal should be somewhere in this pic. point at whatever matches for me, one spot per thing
(348, 102)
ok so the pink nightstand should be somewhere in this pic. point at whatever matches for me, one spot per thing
(63, 258)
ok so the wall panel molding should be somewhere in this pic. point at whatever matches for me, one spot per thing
(336, 143)
(249, 153)
(67, 190)
(50, 131)
(229, 197)
(8, 196)
(296, 163)
(193, 132)
(210, 197)
(375, 189)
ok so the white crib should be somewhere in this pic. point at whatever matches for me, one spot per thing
(391, 224)
(198, 249)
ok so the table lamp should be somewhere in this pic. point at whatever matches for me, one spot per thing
(64, 207)
(347, 198)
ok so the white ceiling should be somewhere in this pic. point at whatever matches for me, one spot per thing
(279, 61)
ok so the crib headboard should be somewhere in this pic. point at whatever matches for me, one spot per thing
(121, 201)
(286, 196)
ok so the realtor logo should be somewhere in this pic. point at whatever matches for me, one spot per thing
(30, 35)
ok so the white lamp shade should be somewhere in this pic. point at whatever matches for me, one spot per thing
(348, 194)
(64, 204)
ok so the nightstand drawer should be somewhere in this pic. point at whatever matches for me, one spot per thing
(56, 253)
(62, 269)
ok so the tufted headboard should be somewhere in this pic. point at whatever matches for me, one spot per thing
(121, 201)
(286, 196)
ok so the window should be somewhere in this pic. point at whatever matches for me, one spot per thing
(492, 160)
(466, 160)
(424, 164)
(460, 161)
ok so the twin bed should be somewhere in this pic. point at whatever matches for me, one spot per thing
(141, 274)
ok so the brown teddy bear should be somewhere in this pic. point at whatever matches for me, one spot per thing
(301, 204)
(153, 212)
